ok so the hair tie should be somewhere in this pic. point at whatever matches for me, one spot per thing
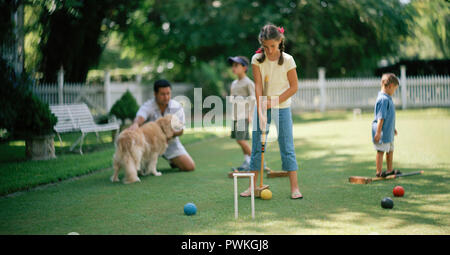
(281, 30)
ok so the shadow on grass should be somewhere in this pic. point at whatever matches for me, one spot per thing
(331, 202)
(14, 151)
(168, 170)
(90, 148)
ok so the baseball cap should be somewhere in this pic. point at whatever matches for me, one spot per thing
(239, 60)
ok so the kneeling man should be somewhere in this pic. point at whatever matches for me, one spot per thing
(159, 106)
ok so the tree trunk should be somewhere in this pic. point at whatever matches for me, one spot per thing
(40, 147)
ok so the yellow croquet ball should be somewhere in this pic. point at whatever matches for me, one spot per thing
(266, 194)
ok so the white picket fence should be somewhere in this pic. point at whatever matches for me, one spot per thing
(92, 95)
(348, 93)
(319, 94)
(428, 91)
(343, 93)
(101, 97)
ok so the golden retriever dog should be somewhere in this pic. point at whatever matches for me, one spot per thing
(140, 149)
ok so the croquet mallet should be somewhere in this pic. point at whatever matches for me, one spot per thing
(263, 145)
(366, 180)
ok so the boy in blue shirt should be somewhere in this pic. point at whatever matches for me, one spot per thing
(383, 126)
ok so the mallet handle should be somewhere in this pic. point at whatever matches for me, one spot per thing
(263, 145)
(407, 174)
(396, 176)
(263, 136)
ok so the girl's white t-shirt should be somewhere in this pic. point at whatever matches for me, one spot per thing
(277, 76)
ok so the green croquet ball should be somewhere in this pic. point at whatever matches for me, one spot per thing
(387, 203)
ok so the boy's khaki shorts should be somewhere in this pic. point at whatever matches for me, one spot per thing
(239, 130)
(384, 147)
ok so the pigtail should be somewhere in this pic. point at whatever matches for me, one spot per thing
(281, 47)
(263, 56)
(261, 37)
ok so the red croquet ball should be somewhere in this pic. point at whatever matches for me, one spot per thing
(398, 191)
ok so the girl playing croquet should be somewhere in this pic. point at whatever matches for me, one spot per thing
(275, 76)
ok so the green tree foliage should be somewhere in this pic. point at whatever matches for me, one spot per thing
(211, 77)
(74, 33)
(343, 36)
(347, 37)
(430, 30)
(125, 108)
(6, 25)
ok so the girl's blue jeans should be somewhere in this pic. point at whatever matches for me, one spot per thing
(283, 123)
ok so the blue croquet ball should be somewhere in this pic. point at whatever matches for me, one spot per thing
(190, 209)
(387, 203)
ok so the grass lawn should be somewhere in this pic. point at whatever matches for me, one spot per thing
(18, 174)
(330, 148)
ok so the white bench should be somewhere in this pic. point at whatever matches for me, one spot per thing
(78, 118)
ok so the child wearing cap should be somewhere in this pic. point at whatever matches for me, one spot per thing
(242, 97)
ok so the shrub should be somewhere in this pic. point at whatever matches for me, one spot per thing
(22, 114)
(125, 108)
(102, 119)
(35, 117)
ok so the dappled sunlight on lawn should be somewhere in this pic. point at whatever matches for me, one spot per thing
(220, 131)
(343, 222)
(328, 149)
